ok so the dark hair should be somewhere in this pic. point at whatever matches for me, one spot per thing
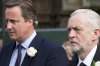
(28, 7)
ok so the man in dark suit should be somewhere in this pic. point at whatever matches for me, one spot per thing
(84, 32)
(28, 48)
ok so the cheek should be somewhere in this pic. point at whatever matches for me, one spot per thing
(19, 29)
(81, 38)
(24, 30)
(86, 39)
(18, 32)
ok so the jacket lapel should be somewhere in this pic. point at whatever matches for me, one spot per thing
(9, 53)
(97, 54)
(36, 44)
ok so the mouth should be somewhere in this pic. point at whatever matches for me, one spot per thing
(11, 33)
(73, 42)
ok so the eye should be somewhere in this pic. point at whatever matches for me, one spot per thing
(78, 30)
(69, 29)
(13, 21)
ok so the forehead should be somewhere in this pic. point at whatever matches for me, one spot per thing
(76, 21)
(13, 11)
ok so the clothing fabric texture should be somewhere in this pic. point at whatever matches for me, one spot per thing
(96, 58)
(48, 54)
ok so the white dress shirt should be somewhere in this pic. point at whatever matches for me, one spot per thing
(88, 60)
(25, 46)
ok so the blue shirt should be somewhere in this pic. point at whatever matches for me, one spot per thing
(25, 46)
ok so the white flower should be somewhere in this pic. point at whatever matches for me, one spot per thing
(31, 51)
(97, 63)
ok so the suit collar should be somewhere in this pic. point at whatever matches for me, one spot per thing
(97, 54)
(36, 44)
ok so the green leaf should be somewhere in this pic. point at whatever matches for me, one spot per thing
(93, 63)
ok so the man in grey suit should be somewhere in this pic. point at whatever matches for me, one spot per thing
(84, 32)
(28, 47)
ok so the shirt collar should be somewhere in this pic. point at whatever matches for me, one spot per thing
(26, 43)
(88, 60)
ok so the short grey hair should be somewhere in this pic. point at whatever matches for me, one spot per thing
(93, 18)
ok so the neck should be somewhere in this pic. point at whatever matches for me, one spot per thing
(83, 53)
(27, 35)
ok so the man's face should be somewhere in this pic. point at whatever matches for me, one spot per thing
(17, 27)
(80, 36)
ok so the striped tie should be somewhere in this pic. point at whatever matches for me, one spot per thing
(18, 60)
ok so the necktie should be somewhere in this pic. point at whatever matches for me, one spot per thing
(82, 64)
(19, 47)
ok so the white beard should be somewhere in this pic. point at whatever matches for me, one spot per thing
(82, 46)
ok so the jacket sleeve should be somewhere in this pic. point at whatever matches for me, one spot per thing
(57, 57)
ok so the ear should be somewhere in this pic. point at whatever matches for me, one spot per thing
(96, 34)
(29, 22)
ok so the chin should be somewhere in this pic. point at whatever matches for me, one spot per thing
(13, 38)
(75, 49)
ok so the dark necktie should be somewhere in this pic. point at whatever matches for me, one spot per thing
(82, 64)
(18, 60)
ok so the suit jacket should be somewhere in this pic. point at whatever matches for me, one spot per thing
(96, 57)
(48, 54)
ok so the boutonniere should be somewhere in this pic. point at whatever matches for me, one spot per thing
(31, 51)
(96, 63)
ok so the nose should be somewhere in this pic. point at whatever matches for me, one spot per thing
(8, 25)
(71, 34)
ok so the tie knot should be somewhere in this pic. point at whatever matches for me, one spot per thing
(19, 46)
(82, 64)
